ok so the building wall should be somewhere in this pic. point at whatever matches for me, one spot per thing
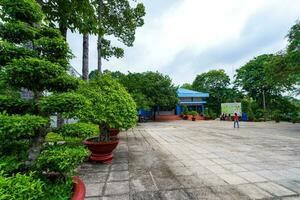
(190, 99)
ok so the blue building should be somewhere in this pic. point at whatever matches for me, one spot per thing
(192, 99)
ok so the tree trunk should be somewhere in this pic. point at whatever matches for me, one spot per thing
(264, 104)
(85, 57)
(36, 147)
(99, 43)
(63, 30)
(99, 47)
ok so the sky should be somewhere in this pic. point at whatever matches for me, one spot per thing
(183, 38)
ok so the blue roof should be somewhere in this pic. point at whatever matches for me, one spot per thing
(190, 93)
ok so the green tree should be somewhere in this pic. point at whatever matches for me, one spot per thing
(117, 18)
(187, 86)
(284, 69)
(252, 77)
(216, 83)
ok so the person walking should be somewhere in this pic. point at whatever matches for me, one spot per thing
(236, 120)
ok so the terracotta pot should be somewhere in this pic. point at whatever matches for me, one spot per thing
(193, 118)
(113, 132)
(101, 151)
(79, 189)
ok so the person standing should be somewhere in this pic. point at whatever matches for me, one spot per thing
(236, 120)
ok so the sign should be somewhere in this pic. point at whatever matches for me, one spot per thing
(231, 108)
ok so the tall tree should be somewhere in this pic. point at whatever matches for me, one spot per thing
(284, 69)
(253, 79)
(119, 19)
(216, 83)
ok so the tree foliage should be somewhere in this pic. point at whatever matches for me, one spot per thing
(111, 105)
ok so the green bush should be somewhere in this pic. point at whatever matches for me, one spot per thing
(62, 159)
(60, 189)
(15, 105)
(53, 137)
(21, 187)
(11, 163)
(79, 130)
(193, 113)
(69, 104)
(17, 129)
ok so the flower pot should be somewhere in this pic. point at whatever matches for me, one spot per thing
(193, 118)
(79, 189)
(101, 151)
(113, 132)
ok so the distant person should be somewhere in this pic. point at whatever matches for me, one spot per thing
(236, 120)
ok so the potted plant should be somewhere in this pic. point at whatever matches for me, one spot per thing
(194, 114)
(111, 108)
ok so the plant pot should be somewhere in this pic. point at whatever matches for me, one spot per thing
(185, 117)
(79, 189)
(193, 118)
(113, 132)
(101, 151)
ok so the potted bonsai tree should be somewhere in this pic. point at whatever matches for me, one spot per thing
(194, 114)
(111, 107)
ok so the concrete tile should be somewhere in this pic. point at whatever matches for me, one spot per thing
(269, 175)
(118, 176)
(217, 169)
(275, 189)
(119, 167)
(232, 179)
(175, 195)
(145, 196)
(167, 183)
(206, 162)
(234, 168)
(93, 189)
(94, 177)
(290, 184)
(116, 197)
(190, 181)
(221, 161)
(181, 171)
(117, 188)
(253, 191)
(229, 193)
(142, 183)
(202, 193)
(212, 180)
(251, 177)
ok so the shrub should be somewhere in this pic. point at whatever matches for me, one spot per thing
(69, 104)
(21, 187)
(15, 105)
(80, 130)
(62, 159)
(193, 113)
(11, 163)
(19, 129)
(53, 137)
(112, 106)
(60, 189)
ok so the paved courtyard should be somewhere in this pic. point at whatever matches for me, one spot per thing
(200, 160)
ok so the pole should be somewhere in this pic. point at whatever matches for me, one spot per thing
(264, 104)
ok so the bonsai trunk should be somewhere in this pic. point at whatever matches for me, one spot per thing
(104, 133)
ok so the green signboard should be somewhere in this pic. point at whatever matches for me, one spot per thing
(231, 108)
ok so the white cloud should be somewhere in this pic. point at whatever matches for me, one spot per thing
(198, 27)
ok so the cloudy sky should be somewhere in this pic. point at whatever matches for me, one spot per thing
(183, 38)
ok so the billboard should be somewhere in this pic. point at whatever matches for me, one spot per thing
(231, 108)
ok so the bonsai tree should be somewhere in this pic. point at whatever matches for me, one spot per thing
(111, 105)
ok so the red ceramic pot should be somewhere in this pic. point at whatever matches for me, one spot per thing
(101, 151)
(79, 189)
(113, 132)
(193, 118)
